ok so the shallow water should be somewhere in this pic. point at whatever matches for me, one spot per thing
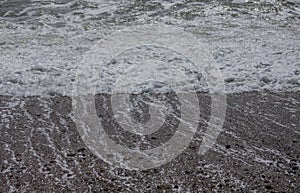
(255, 43)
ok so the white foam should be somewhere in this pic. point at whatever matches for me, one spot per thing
(253, 53)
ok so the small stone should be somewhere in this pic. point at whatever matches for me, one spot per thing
(297, 72)
(2, 43)
(187, 172)
(164, 187)
(81, 149)
(265, 79)
(39, 68)
(113, 61)
(14, 81)
(265, 64)
(229, 80)
(268, 187)
(18, 72)
(71, 154)
(52, 93)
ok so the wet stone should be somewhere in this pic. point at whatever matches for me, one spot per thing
(39, 68)
(71, 154)
(164, 187)
(265, 79)
(229, 80)
(268, 187)
(81, 149)
(52, 93)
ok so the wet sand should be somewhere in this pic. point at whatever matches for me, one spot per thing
(259, 150)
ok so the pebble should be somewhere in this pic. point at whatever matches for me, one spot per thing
(81, 149)
(229, 80)
(52, 93)
(265, 79)
(113, 61)
(18, 72)
(39, 68)
(71, 154)
(268, 187)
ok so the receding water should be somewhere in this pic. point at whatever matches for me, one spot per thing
(255, 43)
